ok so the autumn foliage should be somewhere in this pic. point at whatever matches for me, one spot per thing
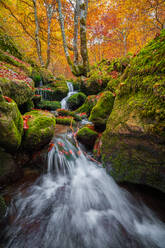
(114, 28)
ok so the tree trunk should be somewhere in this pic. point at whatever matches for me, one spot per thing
(49, 13)
(80, 10)
(38, 44)
(75, 39)
(83, 39)
(61, 19)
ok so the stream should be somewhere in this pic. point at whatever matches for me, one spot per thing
(76, 204)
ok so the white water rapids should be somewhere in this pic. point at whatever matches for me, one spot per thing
(77, 205)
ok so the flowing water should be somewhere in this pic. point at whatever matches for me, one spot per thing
(70, 93)
(76, 204)
(44, 93)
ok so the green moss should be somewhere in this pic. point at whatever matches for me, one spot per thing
(65, 121)
(97, 81)
(41, 74)
(48, 105)
(64, 112)
(133, 143)
(143, 84)
(18, 90)
(40, 131)
(7, 44)
(89, 103)
(11, 126)
(119, 64)
(59, 90)
(134, 158)
(100, 113)
(113, 85)
(9, 59)
(87, 137)
(76, 100)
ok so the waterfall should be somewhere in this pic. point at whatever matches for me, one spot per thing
(41, 83)
(45, 94)
(70, 93)
(76, 204)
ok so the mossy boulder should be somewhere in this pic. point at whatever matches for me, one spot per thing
(55, 91)
(101, 111)
(130, 151)
(88, 105)
(11, 125)
(66, 121)
(87, 137)
(40, 129)
(66, 113)
(133, 143)
(48, 105)
(76, 100)
(20, 91)
(96, 82)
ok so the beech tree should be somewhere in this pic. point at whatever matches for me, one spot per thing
(32, 8)
(78, 66)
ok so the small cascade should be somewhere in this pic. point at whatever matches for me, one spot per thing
(76, 204)
(46, 95)
(70, 93)
(41, 83)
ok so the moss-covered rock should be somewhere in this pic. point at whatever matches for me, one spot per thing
(129, 152)
(20, 91)
(87, 137)
(88, 105)
(76, 100)
(96, 82)
(48, 105)
(64, 112)
(133, 143)
(55, 91)
(66, 121)
(101, 111)
(40, 129)
(11, 125)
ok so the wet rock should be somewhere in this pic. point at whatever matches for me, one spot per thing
(76, 100)
(87, 137)
(9, 171)
(133, 147)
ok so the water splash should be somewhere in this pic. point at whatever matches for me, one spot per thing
(70, 93)
(77, 205)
